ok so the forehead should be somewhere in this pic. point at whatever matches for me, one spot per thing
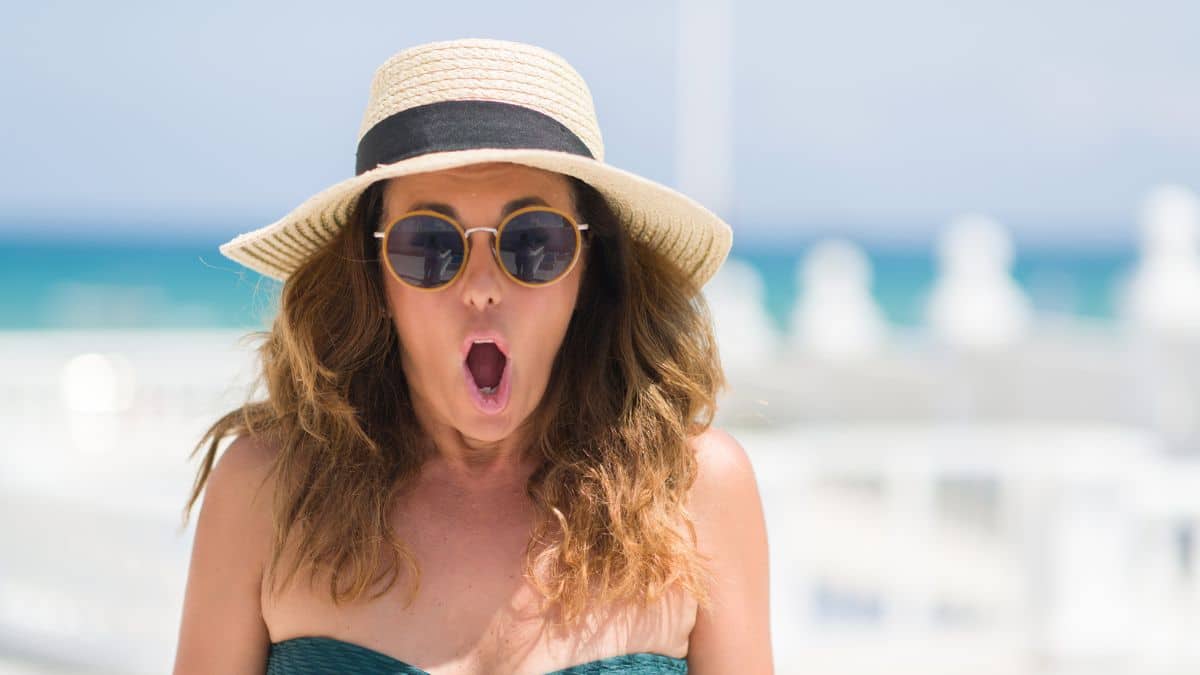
(486, 186)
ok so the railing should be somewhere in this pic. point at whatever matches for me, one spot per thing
(959, 537)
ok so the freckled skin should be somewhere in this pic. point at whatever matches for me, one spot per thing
(466, 519)
(432, 325)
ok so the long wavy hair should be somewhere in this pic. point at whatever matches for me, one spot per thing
(635, 377)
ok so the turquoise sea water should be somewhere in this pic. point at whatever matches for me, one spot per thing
(119, 285)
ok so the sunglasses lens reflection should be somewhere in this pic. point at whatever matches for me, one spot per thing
(537, 246)
(424, 250)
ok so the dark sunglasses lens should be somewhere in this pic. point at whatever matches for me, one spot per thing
(425, 251)
(537, 246)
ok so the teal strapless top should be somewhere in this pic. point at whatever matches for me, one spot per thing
(323, 655)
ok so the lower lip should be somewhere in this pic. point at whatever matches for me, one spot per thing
(489, 404)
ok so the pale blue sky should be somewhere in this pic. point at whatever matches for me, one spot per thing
(875, 119)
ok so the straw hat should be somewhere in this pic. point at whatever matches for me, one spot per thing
(448, 104)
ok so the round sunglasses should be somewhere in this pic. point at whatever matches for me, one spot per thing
(535, 246)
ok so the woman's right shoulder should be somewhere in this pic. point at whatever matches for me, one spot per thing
(239, 490)
(247, 461)
(238, 496)
(222, 628)
(237, 503)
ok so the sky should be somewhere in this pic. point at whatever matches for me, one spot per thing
(875, 120)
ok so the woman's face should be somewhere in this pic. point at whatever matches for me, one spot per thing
(437, 328)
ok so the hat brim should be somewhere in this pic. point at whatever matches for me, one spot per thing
(684, 231)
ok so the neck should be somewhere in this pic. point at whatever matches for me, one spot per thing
(474, 465)
(469, 466)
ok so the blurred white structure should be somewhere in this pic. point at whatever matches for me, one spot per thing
(737, 297)
(1002, 549)
(97, 383)
(1163, 295)
(975, 302)
(835, 315)
(94, 387)
(1016, 545)
(93, 478)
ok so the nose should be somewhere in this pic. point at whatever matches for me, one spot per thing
(482, 280)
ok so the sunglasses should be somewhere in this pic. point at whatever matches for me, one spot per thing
(535, 246)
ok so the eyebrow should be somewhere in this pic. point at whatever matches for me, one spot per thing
(447, 210)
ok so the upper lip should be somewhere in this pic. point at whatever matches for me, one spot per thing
(484, 336)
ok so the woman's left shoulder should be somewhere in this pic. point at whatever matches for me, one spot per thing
(721, 460)
(733, 635)
(726, 487)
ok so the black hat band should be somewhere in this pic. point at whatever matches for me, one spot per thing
(462, 125)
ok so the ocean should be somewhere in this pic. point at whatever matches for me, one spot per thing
(928, 480)
(51, 285)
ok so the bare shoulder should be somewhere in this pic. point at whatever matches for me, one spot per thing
(243, 468)
(721, 459)
(222, 629)
(238, 494)
(725, 478)
(733, 635)
(726, 488)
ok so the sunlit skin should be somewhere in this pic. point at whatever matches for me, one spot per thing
(467, 518)
(478, 453)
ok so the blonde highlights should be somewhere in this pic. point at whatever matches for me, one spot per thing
(635, 378)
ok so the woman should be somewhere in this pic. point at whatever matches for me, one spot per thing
(486, 445)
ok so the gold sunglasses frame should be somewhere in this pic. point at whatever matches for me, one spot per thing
(465, 235)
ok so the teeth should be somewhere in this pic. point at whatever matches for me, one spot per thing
(488, 390)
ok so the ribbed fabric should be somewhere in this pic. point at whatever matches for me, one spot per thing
(325, 656)
(643, 663)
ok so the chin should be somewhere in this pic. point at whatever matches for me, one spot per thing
(489, 429)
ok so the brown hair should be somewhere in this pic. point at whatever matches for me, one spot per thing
(636, 377)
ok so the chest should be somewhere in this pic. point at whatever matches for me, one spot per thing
(474, 611)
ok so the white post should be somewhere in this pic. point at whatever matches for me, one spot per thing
(910, 496)
(836, 317)
(704, 152)
(975, 303)
(1089, 550)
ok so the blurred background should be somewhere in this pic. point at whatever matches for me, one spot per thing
(961, 318)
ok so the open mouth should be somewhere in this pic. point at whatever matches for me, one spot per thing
(487, 372)
(486, 363)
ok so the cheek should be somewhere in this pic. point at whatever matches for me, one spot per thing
(550, 313)
(416, 318)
